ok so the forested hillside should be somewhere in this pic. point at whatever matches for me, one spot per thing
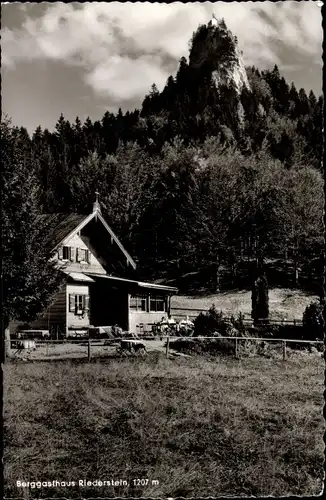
(218, 172)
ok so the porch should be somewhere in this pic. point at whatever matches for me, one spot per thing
(134, 306)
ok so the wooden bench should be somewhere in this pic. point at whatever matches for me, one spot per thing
(77, 331)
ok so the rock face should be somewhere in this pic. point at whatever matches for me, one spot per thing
(214, 46)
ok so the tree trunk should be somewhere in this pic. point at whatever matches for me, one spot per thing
(233, 271)
(217, 283)
(296, 274)
(295, 261)
(233, 267)
(241, 248)
(296, 270)
(7, 349)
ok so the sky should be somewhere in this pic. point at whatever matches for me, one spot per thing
(82, 59)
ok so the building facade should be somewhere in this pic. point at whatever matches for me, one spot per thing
(101, 286)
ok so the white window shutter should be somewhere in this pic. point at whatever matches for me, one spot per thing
(71, 303)
(87, 303)
(76, 304)
(60, 253)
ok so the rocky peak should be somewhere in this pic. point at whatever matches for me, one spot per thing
(214, 46)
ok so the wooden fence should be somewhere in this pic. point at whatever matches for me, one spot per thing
(90, 344)
(181, 312)
(236, 340)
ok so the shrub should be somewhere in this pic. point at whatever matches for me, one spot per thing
(313, 321)
(222, 347)
(238, 324)
(204, 346)
(213, 323)
(206, 324)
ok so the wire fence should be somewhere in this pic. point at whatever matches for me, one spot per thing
(40, 350)
(238, 340)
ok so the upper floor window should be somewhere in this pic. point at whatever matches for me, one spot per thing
(65, 253)
(82, 255)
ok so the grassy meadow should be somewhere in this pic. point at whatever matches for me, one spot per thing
(192, 427)
(283, 303)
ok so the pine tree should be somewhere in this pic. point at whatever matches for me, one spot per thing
(303, 103)
(312, 100)
(61, 142)
(29, 280)
(259, 300)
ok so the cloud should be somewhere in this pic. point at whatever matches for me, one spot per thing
(125, 47)
(114, 77)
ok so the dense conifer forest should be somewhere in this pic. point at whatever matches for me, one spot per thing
(203, 184)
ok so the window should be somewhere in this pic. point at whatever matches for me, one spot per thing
(157, 304)
(78, 304)
(65, 253)
(82, 255)
(138, 302)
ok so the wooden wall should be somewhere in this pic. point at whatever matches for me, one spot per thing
(54, 317)
(97, 262)
(73, 266)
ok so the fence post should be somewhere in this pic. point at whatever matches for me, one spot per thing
(47, 347)
(167, 346)
(236, 348)
(89, 350)
(284, 350)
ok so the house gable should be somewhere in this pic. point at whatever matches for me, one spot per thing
(106, 247)
(77, 256)
(105, 253)
(117, 242)
(56, 227)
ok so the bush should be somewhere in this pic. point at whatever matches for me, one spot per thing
(207, 324)
(204, 346)
(213, 323)
(238, 324)
(224, 347)
(313, 321)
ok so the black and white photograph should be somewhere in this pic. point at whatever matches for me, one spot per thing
(163, 249)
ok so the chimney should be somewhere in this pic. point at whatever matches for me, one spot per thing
(96, 205)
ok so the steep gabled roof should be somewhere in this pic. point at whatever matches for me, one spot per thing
(114, 237)
(57, 227)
